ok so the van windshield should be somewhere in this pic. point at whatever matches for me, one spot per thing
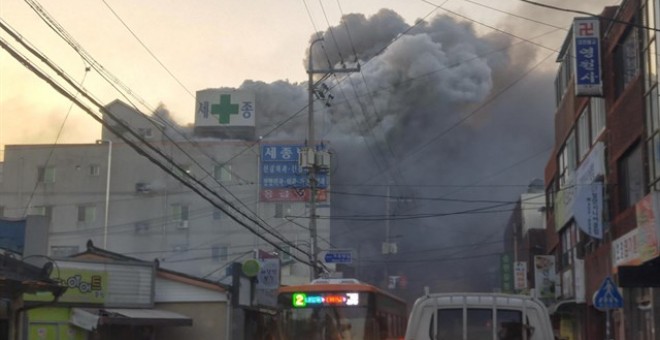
(480, 324)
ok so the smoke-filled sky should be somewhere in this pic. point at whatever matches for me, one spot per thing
(452, 109)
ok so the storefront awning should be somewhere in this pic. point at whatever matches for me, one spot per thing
(89, 319)
(154, 317)
(554, 308)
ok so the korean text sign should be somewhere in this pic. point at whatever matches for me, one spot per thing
(586, 48)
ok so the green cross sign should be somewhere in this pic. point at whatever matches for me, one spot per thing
(225, 109)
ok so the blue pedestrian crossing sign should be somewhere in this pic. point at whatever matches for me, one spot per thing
(607, 296)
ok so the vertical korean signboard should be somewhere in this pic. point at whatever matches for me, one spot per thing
(586, 47)
(282, 179)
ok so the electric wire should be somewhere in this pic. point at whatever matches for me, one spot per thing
(23, 60)
(58, 29)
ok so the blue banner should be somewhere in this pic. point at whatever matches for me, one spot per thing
(12, 235)
(280, 169)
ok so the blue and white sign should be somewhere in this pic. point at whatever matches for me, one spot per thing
(586, 47)
(607, 296)
(338, 256)
(280, 170)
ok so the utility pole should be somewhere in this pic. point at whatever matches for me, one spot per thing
(309, 157)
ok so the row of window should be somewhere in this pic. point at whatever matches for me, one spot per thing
(591, 123)
(46, 174)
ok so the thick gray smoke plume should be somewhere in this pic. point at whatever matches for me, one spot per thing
(399, 122)
(451, 121)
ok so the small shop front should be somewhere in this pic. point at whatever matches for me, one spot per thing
(103, 301)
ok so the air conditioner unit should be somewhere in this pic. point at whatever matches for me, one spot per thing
(142, 188)
(183, 224)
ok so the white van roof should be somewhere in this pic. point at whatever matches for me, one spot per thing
(480, 300)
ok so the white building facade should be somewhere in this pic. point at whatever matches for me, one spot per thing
(108, 193)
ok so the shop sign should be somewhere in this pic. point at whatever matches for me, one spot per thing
(647, 237)
(625, 250)
(545, 277)
(83, 286)
(520, 275)
(586, 43)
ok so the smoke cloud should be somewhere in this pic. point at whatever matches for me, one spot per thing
(452, 122)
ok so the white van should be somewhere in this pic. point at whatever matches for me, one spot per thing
(478, 316)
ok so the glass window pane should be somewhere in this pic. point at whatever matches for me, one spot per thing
(479, 324)
(450, 324)
(656, 155)
(583, 133)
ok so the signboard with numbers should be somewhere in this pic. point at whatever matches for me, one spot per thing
(215, 107)
(586, 48)
(282, 179)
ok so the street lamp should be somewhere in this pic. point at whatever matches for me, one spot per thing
(107, 191)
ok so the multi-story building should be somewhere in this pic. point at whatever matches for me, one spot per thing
(524, 239)
(110, 194)
(602, 177)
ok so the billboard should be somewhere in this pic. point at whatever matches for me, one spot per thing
(222, 108)
(586, 47)
(282, 179)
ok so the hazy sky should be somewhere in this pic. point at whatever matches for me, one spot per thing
(202, 43)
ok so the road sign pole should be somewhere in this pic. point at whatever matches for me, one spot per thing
(607, 325)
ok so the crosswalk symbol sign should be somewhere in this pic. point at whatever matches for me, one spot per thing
(608, 297)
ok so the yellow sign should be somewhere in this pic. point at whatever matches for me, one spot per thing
(83, 286)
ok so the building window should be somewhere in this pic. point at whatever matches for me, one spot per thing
(183, 170)
(63, 251)
(222, 173)
(145, 132)
(567, 161)
(584, 142)
(219, 253)
(218, 214)
(94, 169)
(627, 60)
(285, 253)
(571, 239)
(651, 100)
(180, 248)
(564, 75)
(282, 210)
(46, 174)
(631, 178)
(598, 113)
(550, 195)
(86, 213)
(142, 228)
(179, 212)
(43, 210)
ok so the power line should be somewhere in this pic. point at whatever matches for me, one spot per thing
(138, 149)
(62, 33)
(147, 48)
(570, 10)
(52, 147)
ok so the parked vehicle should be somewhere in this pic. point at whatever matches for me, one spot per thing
(478, 316)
